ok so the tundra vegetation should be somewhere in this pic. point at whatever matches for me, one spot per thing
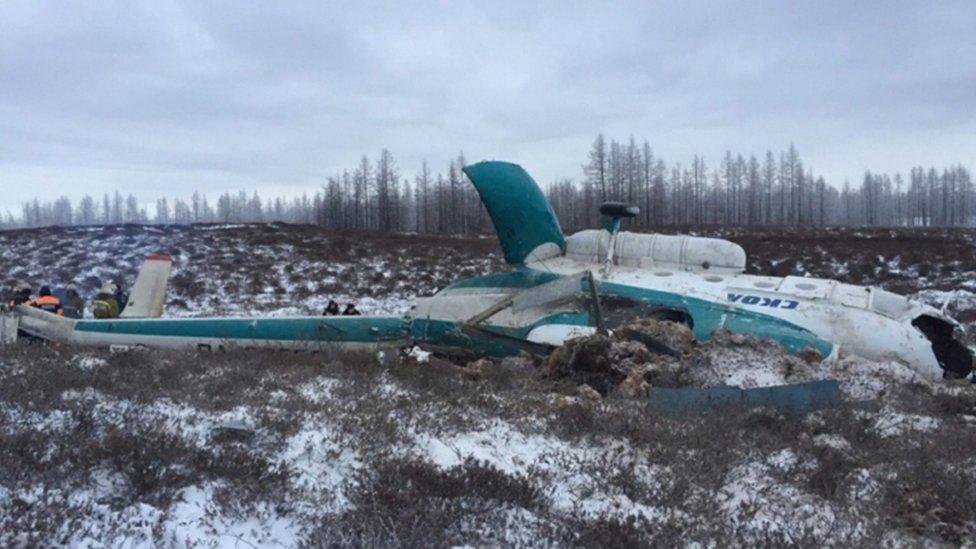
(405, 450)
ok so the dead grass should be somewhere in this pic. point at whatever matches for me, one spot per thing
(925, 478)
(252, 267)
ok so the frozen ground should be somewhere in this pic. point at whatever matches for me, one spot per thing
(248, 269)
(253, 449)
(286, 269)
(270, 449)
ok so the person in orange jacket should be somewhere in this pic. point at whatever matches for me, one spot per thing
(47, 302)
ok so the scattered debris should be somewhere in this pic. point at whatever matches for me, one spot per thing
(233, 430)
(419, 355)
(801, 397)
(899, 460)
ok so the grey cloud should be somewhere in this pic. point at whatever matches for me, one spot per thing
(164, 97)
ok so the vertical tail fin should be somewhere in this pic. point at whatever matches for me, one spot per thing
(524, 221)
(149, 291)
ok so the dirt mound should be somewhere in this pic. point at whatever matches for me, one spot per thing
(648, 352)
(586, 360)
(665, 337)
(747, 361)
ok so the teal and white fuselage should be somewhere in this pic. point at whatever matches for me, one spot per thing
(542, 300)
(700, 281)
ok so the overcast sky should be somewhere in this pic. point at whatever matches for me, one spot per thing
(163, 97)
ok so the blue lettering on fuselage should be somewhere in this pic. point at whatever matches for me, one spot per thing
(761, 301)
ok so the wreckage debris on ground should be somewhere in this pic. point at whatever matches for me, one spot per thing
(649, 352)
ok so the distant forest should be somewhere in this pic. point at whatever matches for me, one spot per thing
(774, 189)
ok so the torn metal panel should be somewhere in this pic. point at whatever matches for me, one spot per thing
(557, 290)
(799, 398)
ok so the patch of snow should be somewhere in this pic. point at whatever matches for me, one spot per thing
(891, 423)
(15, 419)
(836, 442)
(756, 501)
(318, 391)
(862, 379)
(746, 362)
(959, 299)
(498, 443)
(322, 461)
(197, 518)
(89, 363)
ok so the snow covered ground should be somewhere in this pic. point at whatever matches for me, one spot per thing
(248, 269)
(240, 449)
(262, 449)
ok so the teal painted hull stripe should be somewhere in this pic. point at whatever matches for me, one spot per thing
(708, 316)
(332, 329)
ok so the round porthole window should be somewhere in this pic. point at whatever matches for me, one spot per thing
(713, 278)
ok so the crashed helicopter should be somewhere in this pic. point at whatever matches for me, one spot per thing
(561, 287)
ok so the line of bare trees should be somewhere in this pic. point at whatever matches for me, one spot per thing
(773, 189)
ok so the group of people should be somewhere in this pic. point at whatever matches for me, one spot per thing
(332, 309)
(109, 302)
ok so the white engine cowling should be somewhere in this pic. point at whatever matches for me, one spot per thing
(682, 252)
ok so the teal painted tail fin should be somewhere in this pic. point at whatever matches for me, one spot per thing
(522, 216)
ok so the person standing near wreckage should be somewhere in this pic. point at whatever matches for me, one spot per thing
(74, 305)
(121, 296)
(332, 309)
(48, 302)
(104, 305)
(22, 295)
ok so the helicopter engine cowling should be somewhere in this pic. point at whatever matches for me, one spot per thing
(680, 252)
